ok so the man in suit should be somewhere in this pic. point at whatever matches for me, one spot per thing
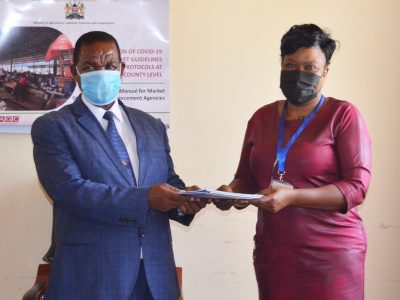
(108, 170)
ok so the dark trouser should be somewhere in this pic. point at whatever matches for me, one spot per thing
(141, 290)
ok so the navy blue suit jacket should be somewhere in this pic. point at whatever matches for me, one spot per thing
(101, 219)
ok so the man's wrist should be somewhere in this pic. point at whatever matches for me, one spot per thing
(241, 206)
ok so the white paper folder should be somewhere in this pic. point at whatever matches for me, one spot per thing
(214, 194)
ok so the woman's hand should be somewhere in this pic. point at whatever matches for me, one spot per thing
(274, 198)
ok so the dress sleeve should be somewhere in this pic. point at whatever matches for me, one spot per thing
(353, 147)
(243, 175)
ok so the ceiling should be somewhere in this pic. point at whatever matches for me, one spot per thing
(26, 44)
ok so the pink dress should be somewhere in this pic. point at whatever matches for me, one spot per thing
(304, 253)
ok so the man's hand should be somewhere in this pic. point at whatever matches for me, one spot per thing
(227, 204)
(191, 208)
(194, 205)
(164, 197)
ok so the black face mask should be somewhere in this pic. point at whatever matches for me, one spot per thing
(298, 86)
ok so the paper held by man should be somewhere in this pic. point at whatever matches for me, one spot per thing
(214, 194)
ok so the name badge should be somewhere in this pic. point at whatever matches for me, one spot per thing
(279, 183)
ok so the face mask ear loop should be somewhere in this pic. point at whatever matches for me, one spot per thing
(120, 70)
(77, 71)
(322, 75)
(325, 71)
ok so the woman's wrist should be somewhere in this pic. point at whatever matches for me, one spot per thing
(293, 196)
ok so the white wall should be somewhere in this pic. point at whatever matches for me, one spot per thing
(225, 65)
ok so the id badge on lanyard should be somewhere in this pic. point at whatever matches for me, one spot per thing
(282, 152)
(279, 182)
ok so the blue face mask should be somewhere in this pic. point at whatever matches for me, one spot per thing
(101, 87)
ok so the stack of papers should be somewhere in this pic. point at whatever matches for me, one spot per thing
(214, 194)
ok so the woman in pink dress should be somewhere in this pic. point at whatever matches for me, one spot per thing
(309, 156)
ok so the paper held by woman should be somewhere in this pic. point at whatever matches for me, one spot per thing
(214, 194)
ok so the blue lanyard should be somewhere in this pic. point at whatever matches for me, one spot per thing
(281, 153)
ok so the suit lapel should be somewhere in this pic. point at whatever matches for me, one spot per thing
(86, 119)
(141, 141)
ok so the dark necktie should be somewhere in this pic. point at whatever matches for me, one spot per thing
(118, 144)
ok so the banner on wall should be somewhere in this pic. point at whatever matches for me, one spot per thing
(37, 40)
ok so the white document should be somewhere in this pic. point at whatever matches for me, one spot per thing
(214, 194)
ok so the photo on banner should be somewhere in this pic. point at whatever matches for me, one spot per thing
(36, 48)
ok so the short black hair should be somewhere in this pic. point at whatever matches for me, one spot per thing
(307, 36)
(90, 38)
